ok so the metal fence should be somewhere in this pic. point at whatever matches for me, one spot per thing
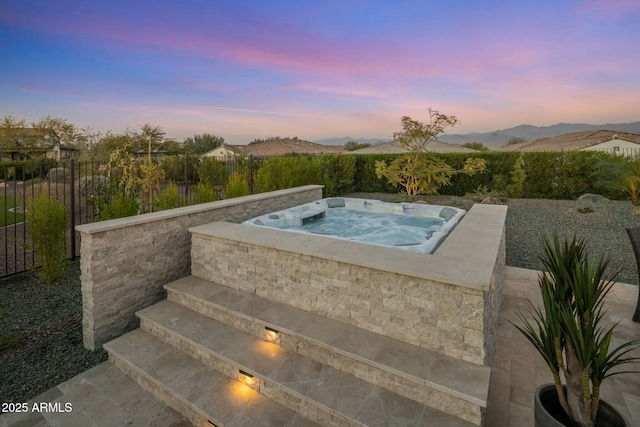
(81, 186)
(630, 152)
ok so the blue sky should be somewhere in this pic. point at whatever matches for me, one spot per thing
(244, 70)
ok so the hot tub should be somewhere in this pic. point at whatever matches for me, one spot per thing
(409, 226)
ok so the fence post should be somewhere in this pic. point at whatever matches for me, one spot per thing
(251, 189)
(186, 179)
(73, 209)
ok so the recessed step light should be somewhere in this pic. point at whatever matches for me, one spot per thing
(247, 378)
(272, 335)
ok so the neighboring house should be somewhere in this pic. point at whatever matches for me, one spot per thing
(599, 140)
(30, 144)
(62, 152)
(225, 151)
(273, 148)
(394, 147)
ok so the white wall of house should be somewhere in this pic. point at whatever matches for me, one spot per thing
(220, 153)
(610, 146)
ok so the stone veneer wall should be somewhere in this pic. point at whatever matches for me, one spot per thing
(447, 302)
(125, 262)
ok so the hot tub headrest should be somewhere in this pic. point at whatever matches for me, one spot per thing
(335, 203)
(447, 213)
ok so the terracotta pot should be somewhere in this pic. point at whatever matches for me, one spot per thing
(548, 412)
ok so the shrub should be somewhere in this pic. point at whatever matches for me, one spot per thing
(169, 198)
(46, 221)
(174, 168)
(336, 173)
(136, 178)
(202, 193)
(548, 175)
(560, 175)
(365, 179)
(616, 176)
(237, 186)
(518, 176)
(117, 205)
(423, 173)
(286, 172)
(212, 171)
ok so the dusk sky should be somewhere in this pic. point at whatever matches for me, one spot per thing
(317, 69)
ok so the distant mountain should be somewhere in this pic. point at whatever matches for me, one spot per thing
(501, 137)
(345, 139)
(528, 132)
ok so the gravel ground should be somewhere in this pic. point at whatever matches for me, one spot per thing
(41, 325)
(41, 335)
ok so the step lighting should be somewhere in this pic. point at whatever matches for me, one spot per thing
(271, 335)
(247, 378)
(209, 423)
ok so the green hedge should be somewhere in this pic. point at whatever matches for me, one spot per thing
(549, 175)
(26, 169)
(335, 171)
(174, 168)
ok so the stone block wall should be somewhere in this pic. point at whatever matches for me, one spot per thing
(448, 304)
(125, 262)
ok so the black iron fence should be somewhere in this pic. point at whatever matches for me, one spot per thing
(83, 187)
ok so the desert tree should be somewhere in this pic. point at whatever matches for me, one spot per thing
(417, 171)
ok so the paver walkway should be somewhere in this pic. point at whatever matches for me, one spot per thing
(102, 396)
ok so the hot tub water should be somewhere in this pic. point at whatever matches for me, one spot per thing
(414, 227)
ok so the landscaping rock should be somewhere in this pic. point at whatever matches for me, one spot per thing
(592, 198)
(59, 175)
(491, 201)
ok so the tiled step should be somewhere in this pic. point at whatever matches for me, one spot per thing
(317, 391)
(200, 393)
(442, 382)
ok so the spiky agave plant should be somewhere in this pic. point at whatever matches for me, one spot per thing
(568, 333)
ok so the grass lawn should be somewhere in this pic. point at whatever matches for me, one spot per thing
(6, 217)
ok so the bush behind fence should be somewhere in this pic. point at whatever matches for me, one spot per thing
(83, 187)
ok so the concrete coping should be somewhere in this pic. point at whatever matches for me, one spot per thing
(466, 258)
(114, 224)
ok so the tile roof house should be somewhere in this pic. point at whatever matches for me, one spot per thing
(30, 144)
(273, 148)
(394, 147)
(598, 140)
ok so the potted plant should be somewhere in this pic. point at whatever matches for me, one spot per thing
(570, 336)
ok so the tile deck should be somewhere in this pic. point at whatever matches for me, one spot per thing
(103, 396)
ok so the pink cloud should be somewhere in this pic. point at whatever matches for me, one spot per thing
(339, 89)
(270, 45)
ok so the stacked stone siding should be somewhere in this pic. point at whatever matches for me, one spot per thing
(442, 303)
(125, 262)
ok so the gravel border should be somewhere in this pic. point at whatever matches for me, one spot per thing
(41, 325)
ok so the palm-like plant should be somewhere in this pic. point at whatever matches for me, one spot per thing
(569, 333)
